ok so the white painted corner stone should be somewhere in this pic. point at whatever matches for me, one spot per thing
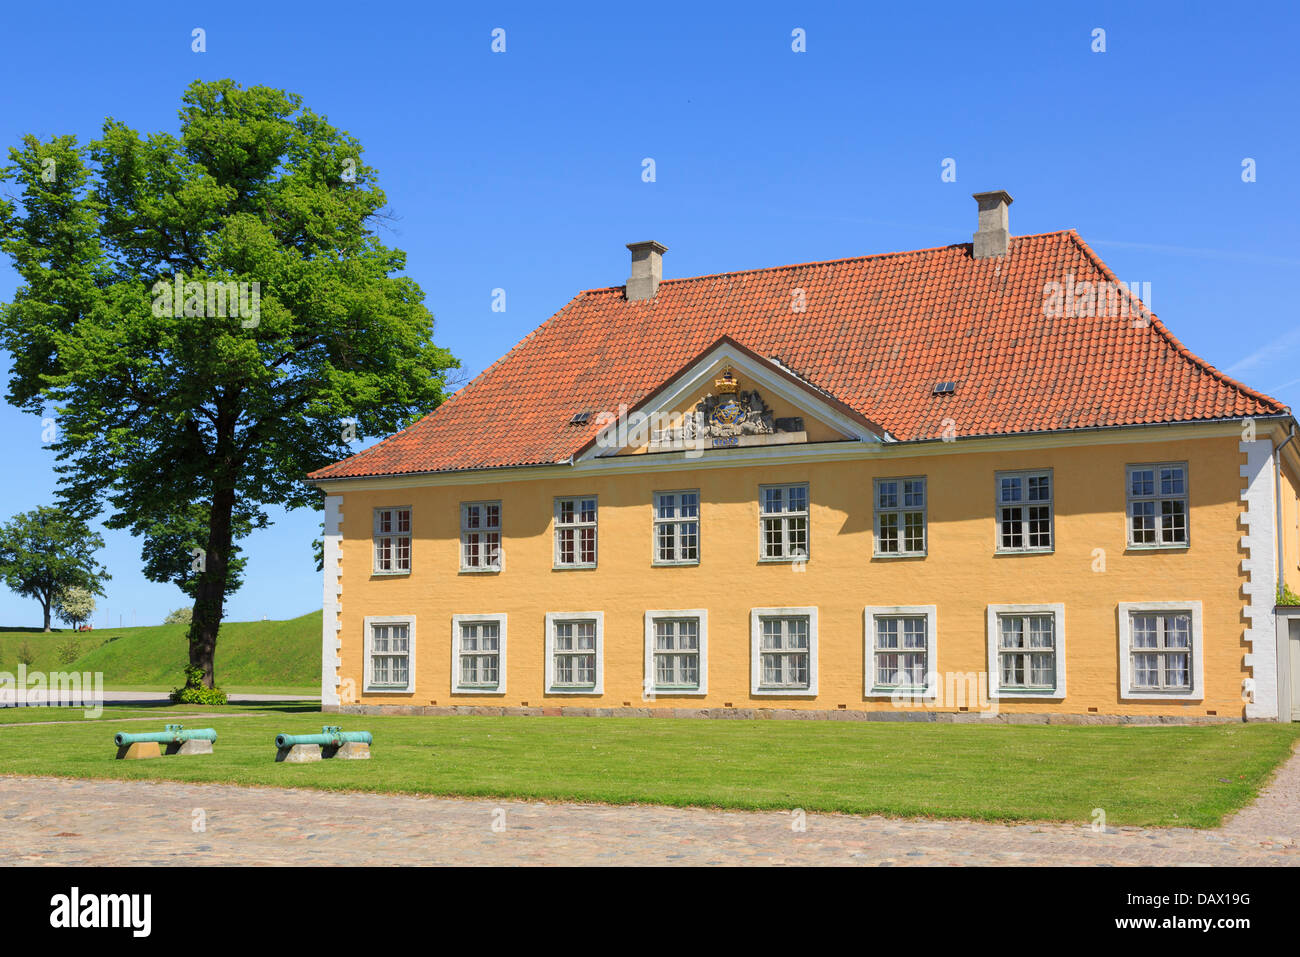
(331, 621)
(1261, 569)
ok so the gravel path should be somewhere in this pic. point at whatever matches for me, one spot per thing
(77, 821)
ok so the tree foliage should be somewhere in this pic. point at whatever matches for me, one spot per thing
(184, 420)
(74, 605)
(179, 616)
(47, 551)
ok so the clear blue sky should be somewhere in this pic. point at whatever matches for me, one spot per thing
(522, 170)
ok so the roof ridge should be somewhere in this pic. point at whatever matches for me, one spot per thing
(825, 262)
(1168, 335)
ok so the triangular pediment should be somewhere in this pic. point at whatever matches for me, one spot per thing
(730, 397)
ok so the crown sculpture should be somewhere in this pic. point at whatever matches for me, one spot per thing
(725, 384)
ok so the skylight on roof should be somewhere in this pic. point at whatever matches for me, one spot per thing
(945, 388)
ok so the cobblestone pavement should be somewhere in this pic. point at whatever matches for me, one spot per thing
(57, 821)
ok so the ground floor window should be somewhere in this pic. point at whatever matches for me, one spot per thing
(676, 652)
(390, 650)
(783, 651)
(900, 649)
(478, 654)
(574, 651)
(1026, 650)
(1160, 650)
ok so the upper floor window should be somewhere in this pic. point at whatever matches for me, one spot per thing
(389, 651)
(392, 540)
(784, 522)
(480, 536)
(575, 532)
(1157, 505)
(1024, 511)
(900, 516)
(677, 528)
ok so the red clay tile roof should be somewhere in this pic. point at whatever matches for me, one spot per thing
(878, 333)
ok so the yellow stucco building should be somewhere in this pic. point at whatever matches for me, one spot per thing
(981, 480)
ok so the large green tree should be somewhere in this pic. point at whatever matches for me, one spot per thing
(185, 419)
(47, 552)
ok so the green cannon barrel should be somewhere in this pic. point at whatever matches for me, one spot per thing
(329, 738)
(173, 734)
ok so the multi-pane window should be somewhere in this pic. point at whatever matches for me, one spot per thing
(575, 531)
(573, 649)
(390, 656)
(901, 650)
(1160, 650)
(478, 655)
(392, 539)
(676, 655)
(784, 653)
(480, 536)
(1024, 505)
(900, 516)
(1157, 505)
(1027, 652)
(677, 528)
(784, 522)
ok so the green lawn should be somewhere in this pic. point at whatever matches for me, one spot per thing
(273, 657)
(1138, 775)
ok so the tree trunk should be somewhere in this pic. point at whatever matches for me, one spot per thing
(46, 608)
(210, 592)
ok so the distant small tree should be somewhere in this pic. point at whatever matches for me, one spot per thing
(25, 655)
(181, 616)
(46, 551)
(74, 606)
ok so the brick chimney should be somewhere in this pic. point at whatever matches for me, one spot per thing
(647, 269)
(993, 235)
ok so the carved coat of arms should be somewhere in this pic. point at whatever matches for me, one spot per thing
(725, 417)
(733, 411)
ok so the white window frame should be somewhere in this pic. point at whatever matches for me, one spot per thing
(931, 615)
(1024, 503)
(1057, 610)
(786, 557)
(899, 512)
(1130, 499)
(594, 525)
(651, 689)
(367, 625)
(677, 522)
(456, 622)
(551, 618)
(375, 535)
(1196, 667)
(756, 616)
(466, 531)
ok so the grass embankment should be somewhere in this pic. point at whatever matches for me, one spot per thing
(1138, 775)
(275, 657)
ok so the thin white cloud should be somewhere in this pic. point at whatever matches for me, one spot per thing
(1274, 350)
